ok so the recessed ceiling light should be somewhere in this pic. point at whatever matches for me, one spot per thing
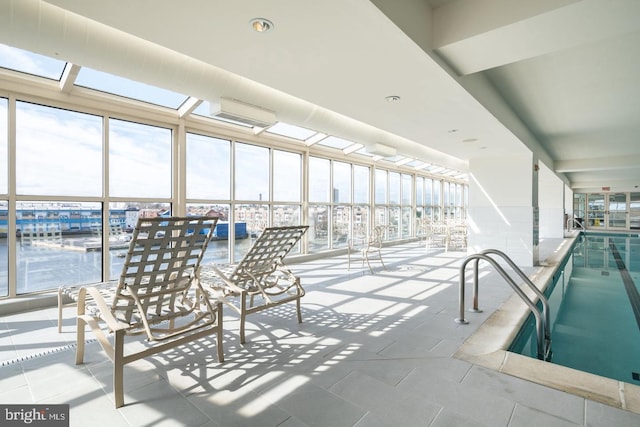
(261, 25)
(392, 98)
(470, 140)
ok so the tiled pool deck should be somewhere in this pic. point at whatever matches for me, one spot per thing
(373, 350)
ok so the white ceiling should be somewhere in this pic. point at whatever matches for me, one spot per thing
(557, 77)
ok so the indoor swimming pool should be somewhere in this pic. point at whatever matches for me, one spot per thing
(594, 309)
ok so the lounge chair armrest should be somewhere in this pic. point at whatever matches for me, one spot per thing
(228, 283)
(105, 311)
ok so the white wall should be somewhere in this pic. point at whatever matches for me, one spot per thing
(502, 207)
(551, 203)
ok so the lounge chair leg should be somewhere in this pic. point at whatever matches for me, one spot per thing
(243, 315)
(118, 368)
(80, 340)
(59, 310)
(220, 334)
(298, 310)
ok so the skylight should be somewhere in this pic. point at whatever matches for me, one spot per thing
(116, 85)
(30, 63)
(291, 131)
(335, 142)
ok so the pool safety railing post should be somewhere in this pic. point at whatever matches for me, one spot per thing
(543, 335)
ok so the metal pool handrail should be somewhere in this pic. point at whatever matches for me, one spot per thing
(543, 333)
(572, 222)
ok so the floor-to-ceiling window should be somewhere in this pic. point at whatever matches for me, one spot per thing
(287, 190)
(634, 211)
(78, 172)
(341, 203)
(381, 197)
(58, 180)
(4, 196)
(319, 198)
(406, 205)
(251, 190)
(361, 221)
(208, 189)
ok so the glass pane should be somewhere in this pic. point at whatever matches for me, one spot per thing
(436, 192)
(255, 218)
(381, 216)
(4, 147)
(319, 180)
(341, 225)
(618, 210)
(317, 234)
(4, 249)
(335, 142)
(252, 172)
(360, 225)
(341, 182)
(395, 223)
(116, 85)
(634, 211)
(208, 172)
(406, 221)
(291, 131)
(428, 192)
(204, 109)
(361, 184)
(381, 186)
(436, 214)
(58, 152)
(139, 160)
(579, 205)
(31, 63)
(595, 210)
(459, 195)
(57, 244)
(4, 156)
(218, 249)
(287, 172)
(286, 216)
(123, 217)
(420, 191)
(407, 191)
(394, 188)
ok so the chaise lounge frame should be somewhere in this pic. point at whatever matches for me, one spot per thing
(261, 280)
(157, 297)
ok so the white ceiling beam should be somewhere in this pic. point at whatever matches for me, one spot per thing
(69, 75)
(477, 35)
(188, 106)
(607, 163)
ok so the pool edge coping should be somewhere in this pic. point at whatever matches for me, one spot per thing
(487, 347)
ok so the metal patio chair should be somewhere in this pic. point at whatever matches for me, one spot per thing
(366, 248)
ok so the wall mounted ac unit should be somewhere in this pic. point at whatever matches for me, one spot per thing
(381, 150)
(243, 113)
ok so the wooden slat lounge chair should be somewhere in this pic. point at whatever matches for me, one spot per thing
(157, 296)
(366, 248)
(260, 280)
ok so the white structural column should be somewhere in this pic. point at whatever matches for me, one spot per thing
(503, 207)
(552, 204)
